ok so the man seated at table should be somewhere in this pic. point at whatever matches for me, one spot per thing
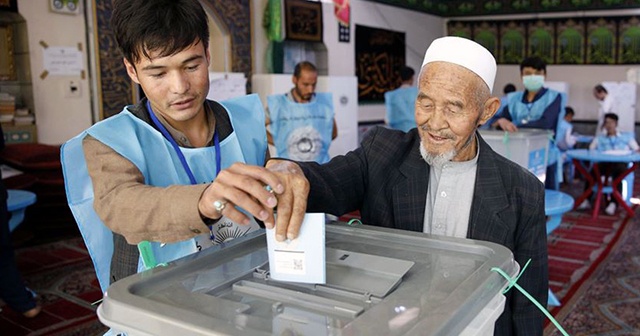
(612, 140)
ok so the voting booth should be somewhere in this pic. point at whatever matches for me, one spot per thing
(378, 281)
(528, 147)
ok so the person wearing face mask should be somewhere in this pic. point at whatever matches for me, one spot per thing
(535, 107)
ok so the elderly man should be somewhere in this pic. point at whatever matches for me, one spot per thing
(464, 189)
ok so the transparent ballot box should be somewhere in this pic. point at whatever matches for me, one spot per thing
(379, 282)
(527, 147)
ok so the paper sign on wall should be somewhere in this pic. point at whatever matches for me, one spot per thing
(63, 61)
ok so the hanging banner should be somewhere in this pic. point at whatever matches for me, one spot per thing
(342, 10)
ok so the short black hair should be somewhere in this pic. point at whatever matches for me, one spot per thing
(569, 111)
(406, 73)
(600, 88)
(304, 65)
(165, 26)
(509, 88)
(611, 116)
(534, 62)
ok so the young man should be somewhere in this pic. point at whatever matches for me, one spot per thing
(441, 177)
(535, 107)
(174, 168)
(612, 140)
(301, 122)
(401, 102)
(564, 138)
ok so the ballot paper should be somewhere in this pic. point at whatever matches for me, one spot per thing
(301, 259)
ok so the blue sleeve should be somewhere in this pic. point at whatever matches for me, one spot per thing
(506, 114)
(549, 119)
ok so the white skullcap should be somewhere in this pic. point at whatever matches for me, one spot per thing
(466, 53)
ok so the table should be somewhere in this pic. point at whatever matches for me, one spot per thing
(584, 155)
(556, 203)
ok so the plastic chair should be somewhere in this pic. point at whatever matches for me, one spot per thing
(17, 203)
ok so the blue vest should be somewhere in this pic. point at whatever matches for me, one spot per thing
(618, 142)
(302, 132)
(401, 105)
(156, 159)
(521, 113)
(564, 127)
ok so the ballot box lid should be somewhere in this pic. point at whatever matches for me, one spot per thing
(379, 281)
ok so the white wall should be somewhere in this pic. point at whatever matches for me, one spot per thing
(420, 29)
(581, 80)
(57, 118)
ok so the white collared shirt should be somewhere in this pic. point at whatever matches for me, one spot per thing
(449, 198)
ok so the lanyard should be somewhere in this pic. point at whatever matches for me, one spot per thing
(176, 148)
(183, 160)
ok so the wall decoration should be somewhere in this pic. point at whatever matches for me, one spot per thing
(486, 33)
(342, 10)
(601, 41)
(7, 65)
(588, 40)
(380, 54)
(453, 8)
(457, 28)
(512, 42)
(541, 40)
(629, 41)
(570, 41)
(303, 20)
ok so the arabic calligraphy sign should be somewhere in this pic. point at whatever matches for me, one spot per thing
(380, 54)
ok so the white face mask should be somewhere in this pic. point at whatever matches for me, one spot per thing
(533, 82)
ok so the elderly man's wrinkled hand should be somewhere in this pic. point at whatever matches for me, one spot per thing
(244, 186)
(292, 202)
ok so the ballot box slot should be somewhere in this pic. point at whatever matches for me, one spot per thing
(299, 299)
(364, 273)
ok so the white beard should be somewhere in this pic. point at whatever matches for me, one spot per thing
(438, 160)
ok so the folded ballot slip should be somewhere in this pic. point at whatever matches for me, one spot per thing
(301, 259)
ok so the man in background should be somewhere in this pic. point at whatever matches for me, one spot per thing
(609, 141)
(535, 107)
(565, 138)
(301, 123)
(401, 102)
(605, 102)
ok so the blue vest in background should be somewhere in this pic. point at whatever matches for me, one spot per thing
(564, 127)
(302, 132)
(401, 105)
(522, 113)
(618, 142)
(156, 159)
